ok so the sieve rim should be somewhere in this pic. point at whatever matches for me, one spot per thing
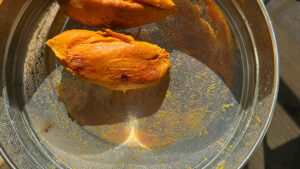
(276, 82)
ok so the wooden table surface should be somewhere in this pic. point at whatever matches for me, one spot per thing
(281, 147)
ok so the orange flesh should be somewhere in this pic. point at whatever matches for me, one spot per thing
(110, 59)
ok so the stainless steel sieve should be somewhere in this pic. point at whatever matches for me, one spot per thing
(211, 110)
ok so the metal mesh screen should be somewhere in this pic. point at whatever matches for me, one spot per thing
(182, 122)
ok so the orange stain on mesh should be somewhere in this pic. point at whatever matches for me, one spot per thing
(208, 40)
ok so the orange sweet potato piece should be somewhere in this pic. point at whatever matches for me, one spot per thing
(117, 13)
(110, 59)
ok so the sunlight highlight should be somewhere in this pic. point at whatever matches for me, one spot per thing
(132, 140)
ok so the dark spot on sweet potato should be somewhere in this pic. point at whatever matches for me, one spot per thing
(154, 57)
(124, 77)
(77, 64)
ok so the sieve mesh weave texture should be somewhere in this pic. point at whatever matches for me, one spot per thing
(181, 122)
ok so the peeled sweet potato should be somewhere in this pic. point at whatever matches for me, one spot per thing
(110, 59)
(117, 13)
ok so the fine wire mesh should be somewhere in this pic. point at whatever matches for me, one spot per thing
(183, 121)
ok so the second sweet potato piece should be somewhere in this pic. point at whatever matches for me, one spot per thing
(117, 13)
